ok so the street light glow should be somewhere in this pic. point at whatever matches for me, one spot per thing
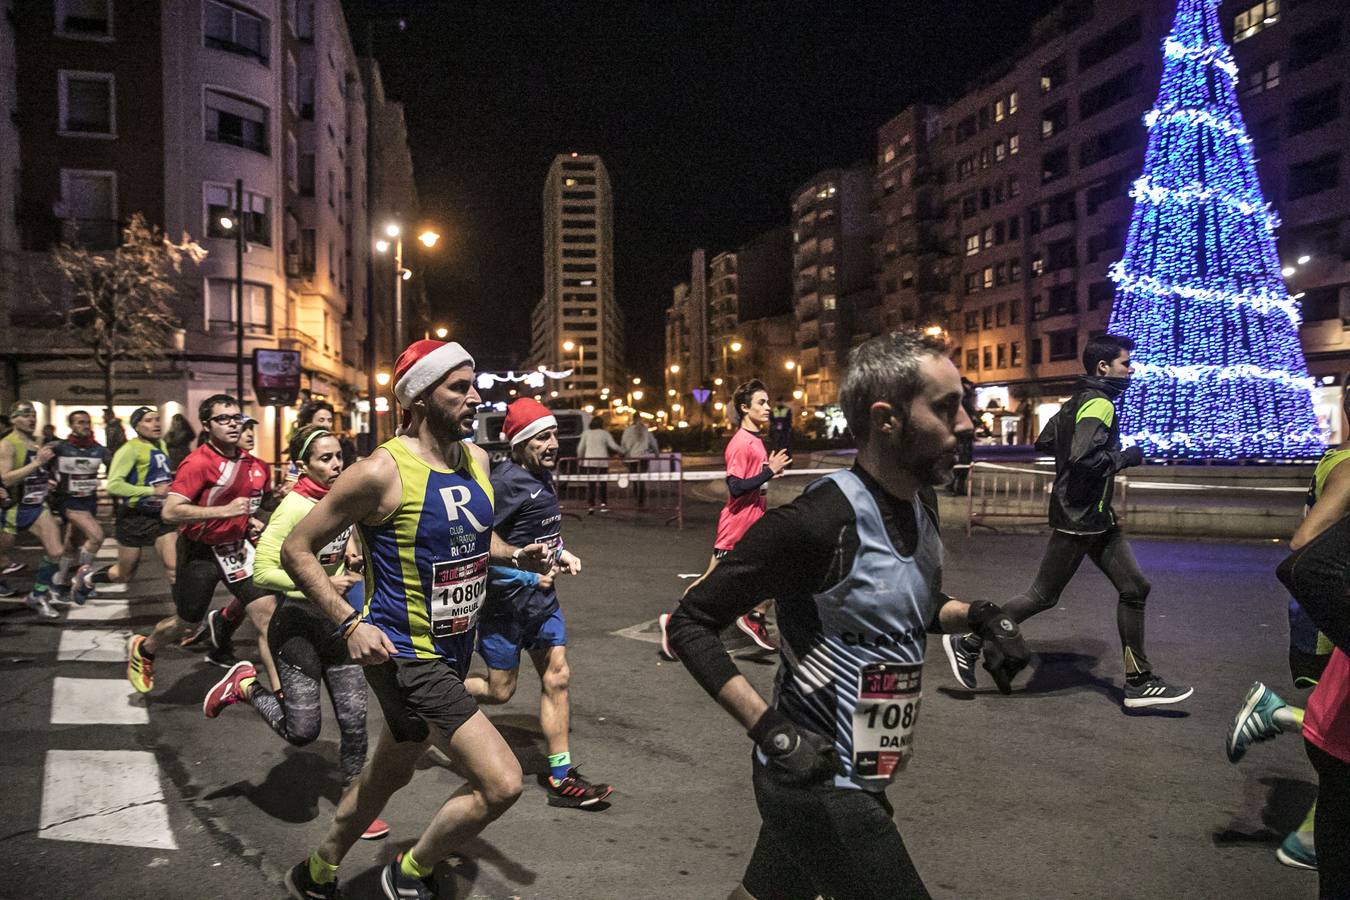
(637, 395)
(406, 274)
(381, 378)
(670, 393)
(637, 381)
(719, 406)
(381, 246)
(227, 223)
(1304, 259)
(1287, 271)
(392, 230)
(790, 364)
(797, 395)
(718, 381)
(569, 346)
(933, 330)
(429, 238)
(442, 332)
(675, 369)
(736, 346)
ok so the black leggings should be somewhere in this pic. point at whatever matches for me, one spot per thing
(1111, 553)
(1331, 826)
(306, 650)
(820, 840)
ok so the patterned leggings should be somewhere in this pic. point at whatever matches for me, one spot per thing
(306, 651)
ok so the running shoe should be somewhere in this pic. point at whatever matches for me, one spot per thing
(140, 671)
(963, 661)
(302, 886)
(206, 632)
(41, 604)
(222, 656)
(1296, 853)
(756, 627)
(13, 568)
(1153, 691)
(375, 830)
(58, 595)
(663, 621)
(1254, 721)
(397, 886)
(80, 581)
(575, 792)
(6, 590)
(227, 691)
(81, 591)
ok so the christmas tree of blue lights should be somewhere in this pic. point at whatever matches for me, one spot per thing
(1219, 371)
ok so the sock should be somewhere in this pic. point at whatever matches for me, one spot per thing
(102, 576)
(63, 568)
(412, 868)
(1137, 678)
(1137, 669)
(246, 686)
(971, 643)
(233, 612)
(146, 654)
(1289, 718)
(42, 582)
(321, 870)
(1307, 826)
(558, 764)
(86, 557)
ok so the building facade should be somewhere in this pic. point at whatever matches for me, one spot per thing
(576, 324)
(163, 110)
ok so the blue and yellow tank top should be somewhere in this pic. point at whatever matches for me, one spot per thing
(34, 488)
(427, 564)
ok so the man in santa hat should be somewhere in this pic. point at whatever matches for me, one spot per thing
(422, 503)
(522, 611)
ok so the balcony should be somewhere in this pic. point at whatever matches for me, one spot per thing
(808, 306)
(296, 339)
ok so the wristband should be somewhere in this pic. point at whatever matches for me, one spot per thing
(771, 720)
(515, 557)
(352, 628)
(346, 623)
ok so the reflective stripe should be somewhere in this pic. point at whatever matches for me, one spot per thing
(1096, 408)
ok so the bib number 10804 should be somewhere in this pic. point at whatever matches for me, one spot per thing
(883, 721)
(457, 593)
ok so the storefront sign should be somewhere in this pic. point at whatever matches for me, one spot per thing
(276, 376)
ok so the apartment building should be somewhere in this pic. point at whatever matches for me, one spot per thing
(163, 109)
(1035, 166)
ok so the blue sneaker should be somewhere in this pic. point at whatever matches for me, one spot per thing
(6, 590)
(1298, 851)
(1255, 721)
(397, 886)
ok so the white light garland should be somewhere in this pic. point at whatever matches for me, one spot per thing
(533, 379)
(1175, 439)
(1196, 192)
(1241, 372)
(1174, 112)
(1261, 301)
(1215, 55)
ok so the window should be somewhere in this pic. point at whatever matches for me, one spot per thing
(1060, 208)
(987, 237)
(1255, 18)
(888, 154)
(1053, 74)
(1263, 79)
(1000, 152)
(972, 244)
(1014, 144)
(907, 279)
(965, 128)
(1012, 103)
(965, 168)
(257, 214)
(89, 208)
(1108, 239)
(984, 198)
(1313, 45)
(307, 97)
(306, 174)
(1036, 352)
(234, 120)
(972, 360)
(1014, 187)
(1106, 190)
(1265, 136)
(1054, 120)
(985, 158)
(972, 320)
(988, 357)
(1110, 43)
(969, 205)
(1313, 110)
(1110, 92)
(1002, 356)
(236, 30)
(828, 301)
(1061, 255)
(987, 316)
(1100, 293)
(972, 282)
(1000, 110)
(87, 104)
(304, 21)
(1001, 314)
(1015, 353)
(1055, 166)
(292, 161)
(1063, 345)
(84, 19)
(221, 304)
(988, 278)
(1015, 271)
(1015, 312)
(984, 118)
(999, 232)
(292, 85)
(332, 262)
(1062, 299)
(1037, 266)
(1108, 143)
(308, 254)
(1313, 176)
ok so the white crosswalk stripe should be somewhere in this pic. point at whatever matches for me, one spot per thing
(96, 701)
(105, 797)
(92, 645)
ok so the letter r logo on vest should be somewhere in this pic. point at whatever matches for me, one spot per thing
(456, 498)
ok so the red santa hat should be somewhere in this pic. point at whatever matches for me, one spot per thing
(525, 418)
(423, 364)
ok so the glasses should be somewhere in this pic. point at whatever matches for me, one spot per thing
(228, 420)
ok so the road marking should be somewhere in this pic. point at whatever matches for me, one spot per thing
(92, 645)
(94, 611)
(104, 797)
(113, 588)
(649, 632)
(107, 552)
(689, 575)
(96, 701)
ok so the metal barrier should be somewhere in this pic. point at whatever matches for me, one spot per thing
(627, 488)
(1017, 493)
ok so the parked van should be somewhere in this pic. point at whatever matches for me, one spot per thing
(487, 433)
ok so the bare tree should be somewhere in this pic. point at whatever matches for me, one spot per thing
(121, 310)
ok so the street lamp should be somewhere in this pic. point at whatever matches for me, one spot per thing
(442, 332)
(790, 364)
(236, 225)
(675, 369)
(394, 232)
(568, 346)
(382, 378)
(732, 344)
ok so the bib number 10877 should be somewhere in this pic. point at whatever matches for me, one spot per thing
(884, 719)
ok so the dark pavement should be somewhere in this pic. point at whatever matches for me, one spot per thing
(1052, 792)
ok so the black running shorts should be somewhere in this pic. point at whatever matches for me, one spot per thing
(196, 580)
(419, 694)
(138, 528)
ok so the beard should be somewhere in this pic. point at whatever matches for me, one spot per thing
(931, 465)
(445, 424)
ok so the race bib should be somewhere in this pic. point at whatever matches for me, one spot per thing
(34, 492)
(554, 544)
(457, 593)
(883, 720)
(235, 559)
(336, 549)
(81, 475)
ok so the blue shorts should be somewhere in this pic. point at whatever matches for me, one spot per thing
(21, 516)
(500, 639)
(60, 505)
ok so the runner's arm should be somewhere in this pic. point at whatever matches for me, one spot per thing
(177, 510)
(739, 487)
(10, 475)
(1332, 505)
(267, 569)
(123, 462)
(1090, 454)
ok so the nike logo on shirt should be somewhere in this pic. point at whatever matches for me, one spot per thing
(536, 493)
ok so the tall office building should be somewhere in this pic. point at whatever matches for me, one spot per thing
(576, 325)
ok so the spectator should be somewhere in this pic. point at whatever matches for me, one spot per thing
(179, 440)
(49, 433)
(638, 444)
(113, 435)
(780, 426)
(593, 452)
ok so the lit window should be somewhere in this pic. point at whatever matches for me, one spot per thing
(1012, 103)
(257, 304)
(972, 244)
(1255, 18)
(889, 153)
(257, 214)
(1013, 144)
(827, 301)
(988, 279)
(87, 104)
(1000, 152)
(1000, 110)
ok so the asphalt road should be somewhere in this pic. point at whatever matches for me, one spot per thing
(1052, 792)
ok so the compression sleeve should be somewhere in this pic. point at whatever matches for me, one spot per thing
(123, 461)
(739, 487)
(507, 579)
(267, 570)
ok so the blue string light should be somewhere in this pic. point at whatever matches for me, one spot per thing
(1220, 373)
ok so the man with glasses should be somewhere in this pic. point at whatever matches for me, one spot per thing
(26, 474)
(212, 499)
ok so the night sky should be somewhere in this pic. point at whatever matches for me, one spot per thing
(707, 115)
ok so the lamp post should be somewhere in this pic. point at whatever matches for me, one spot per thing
(570, 345)
(735, 345)
(394, 238)
(235, 225)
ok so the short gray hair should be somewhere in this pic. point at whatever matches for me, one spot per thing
(885, 368)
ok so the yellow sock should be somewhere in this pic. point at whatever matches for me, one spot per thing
(321, 870)
(412, 868)
(246, 685)
(1309, 819)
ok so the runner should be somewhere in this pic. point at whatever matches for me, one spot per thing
(212, 499)
(26, 475)
(75, 500)
(423, 506)
(855, 564)
(307, 650)
(522, 611)
(749, 470)
(138, 480)
(1085, 440)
